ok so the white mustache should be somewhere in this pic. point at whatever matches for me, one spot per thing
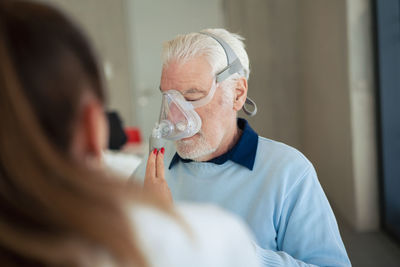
(190, 140)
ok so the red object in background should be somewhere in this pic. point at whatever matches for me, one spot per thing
(133, 135)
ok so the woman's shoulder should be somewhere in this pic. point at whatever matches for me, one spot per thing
(196, 235)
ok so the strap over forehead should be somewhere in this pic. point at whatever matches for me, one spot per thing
(234, 66)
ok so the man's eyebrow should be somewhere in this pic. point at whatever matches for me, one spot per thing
(188, 91)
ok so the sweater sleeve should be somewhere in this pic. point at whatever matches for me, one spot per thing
(307, 232)
(278, 258)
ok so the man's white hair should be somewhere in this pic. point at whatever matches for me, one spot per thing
(188, 46)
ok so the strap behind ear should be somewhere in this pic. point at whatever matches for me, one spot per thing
(249, 101)
(234, 66)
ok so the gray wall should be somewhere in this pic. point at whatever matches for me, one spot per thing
(326, 100)
(271, 29)
(312, 75)
(105, 22)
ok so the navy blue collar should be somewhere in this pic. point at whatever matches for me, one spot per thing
(243, 153)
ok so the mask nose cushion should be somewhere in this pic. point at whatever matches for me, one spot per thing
(178, 117)
(175, 114)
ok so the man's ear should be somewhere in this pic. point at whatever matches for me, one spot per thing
(240, 93)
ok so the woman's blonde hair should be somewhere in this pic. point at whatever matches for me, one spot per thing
(54, 211)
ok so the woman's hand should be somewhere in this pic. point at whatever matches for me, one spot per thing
(154, 180)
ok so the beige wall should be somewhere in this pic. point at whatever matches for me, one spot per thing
(311, 76)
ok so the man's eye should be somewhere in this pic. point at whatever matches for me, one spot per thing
(193, 97)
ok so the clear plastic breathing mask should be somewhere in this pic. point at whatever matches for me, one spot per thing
(178, 118)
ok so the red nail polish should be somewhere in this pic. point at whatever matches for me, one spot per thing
(155, 151)
(162, 150)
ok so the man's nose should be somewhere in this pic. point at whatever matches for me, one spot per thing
(175, 114)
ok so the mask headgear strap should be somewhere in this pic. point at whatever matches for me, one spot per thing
(234, 66)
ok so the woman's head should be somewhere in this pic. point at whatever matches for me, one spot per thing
(58, 75)
(54, 210)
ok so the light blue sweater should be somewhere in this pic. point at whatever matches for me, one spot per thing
(280, 199)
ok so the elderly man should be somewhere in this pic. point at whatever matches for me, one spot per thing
(218, 158)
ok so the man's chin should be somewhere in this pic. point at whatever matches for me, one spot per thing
(193, 152)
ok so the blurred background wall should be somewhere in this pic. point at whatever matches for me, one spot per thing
(105, 23)
(311, 76)
(128, 35)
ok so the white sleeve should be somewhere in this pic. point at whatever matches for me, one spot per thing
(213, 238)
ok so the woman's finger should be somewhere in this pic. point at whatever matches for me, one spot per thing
(160, 164)
(151, 165)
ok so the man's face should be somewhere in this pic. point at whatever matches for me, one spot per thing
(194, 79)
